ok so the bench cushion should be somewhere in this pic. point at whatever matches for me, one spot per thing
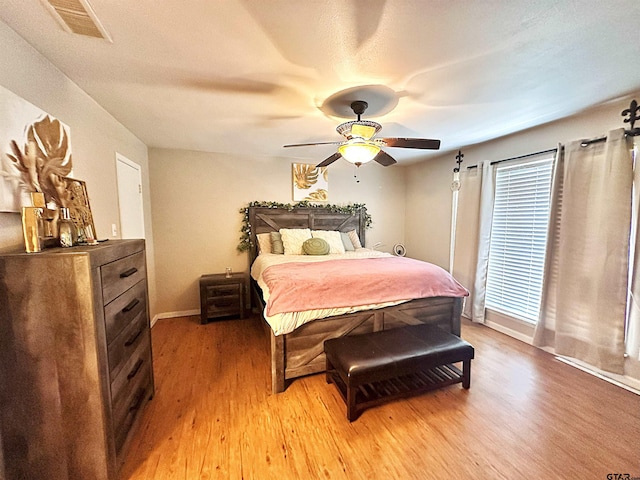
(389, 353)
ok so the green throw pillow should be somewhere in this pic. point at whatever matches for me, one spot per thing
(276, 243)
(315, 246)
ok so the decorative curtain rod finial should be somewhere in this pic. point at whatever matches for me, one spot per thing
(459, 158)
(632, 112)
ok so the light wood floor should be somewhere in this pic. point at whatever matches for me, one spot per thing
(526, 416)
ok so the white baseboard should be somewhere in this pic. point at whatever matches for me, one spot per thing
(507, 331)
(622, 381)
(184, 313)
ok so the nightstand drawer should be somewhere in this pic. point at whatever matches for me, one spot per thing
(223, 290)
(222, 302)
(223, 306)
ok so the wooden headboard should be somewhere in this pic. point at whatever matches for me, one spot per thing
(265, 219)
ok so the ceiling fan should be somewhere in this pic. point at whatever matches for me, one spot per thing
(360, 145)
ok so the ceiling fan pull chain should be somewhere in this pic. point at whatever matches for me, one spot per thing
(355, 173)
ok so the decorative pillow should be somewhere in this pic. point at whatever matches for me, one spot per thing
(346, 241)
(332, 237)
(315, 246)
(264, 242)
(353, 235)
(293, 238)
(276, 243)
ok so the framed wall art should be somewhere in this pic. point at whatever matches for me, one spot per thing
(310, 182)
(35, 153)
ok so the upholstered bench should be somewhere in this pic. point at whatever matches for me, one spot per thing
(376, 367)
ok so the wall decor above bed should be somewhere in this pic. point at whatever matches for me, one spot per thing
(310, 183)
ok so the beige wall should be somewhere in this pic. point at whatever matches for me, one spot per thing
(196, 198)
(428, 209)
(95, 138)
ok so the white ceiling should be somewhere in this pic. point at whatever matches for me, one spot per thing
(248, 76)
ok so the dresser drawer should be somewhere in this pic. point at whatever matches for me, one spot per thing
(127, 341)
(134, 375)
(119, 276)
(124, 310)
(133, 408)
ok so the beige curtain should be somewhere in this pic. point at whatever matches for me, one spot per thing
(633, 331)
(466, 250)
(475, 214)
(584, 305)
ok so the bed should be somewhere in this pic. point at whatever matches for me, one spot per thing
(301, 352)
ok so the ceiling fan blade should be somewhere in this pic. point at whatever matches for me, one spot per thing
(329, 160)
(384, 159)
(311, 144)
(423, 143)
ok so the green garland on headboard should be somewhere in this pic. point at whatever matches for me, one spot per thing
(245, 239)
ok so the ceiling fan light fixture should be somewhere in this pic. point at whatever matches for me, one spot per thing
(364, 129)
(358, 151)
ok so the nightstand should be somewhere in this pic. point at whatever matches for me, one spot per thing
(222, 296)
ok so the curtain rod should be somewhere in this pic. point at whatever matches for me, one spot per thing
(517, 158)
(627, 133)
(525, 156)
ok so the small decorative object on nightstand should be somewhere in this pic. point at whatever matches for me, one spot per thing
(223, 295)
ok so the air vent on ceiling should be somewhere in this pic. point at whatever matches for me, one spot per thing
(77, 16)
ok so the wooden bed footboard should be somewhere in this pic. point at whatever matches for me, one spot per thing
(301, 352)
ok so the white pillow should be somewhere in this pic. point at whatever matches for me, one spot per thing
(353, 235)
(333, 238)
(264, 242)
(293, 238)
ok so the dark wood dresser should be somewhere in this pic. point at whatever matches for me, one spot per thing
(75, 358)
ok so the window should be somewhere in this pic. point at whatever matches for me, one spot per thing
(519, 238)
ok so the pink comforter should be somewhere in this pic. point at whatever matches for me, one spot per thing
(296, 287)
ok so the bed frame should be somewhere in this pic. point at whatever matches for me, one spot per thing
(301, 352)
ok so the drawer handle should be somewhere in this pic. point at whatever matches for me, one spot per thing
(134, 337)
(225, 291)
(128, 273)
(131, 305)
(223, 303)
(135, 370)
(138, 401)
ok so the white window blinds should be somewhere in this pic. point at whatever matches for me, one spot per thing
(519, 237)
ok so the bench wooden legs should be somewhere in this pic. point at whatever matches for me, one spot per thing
(466, 374)
(352, 410)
